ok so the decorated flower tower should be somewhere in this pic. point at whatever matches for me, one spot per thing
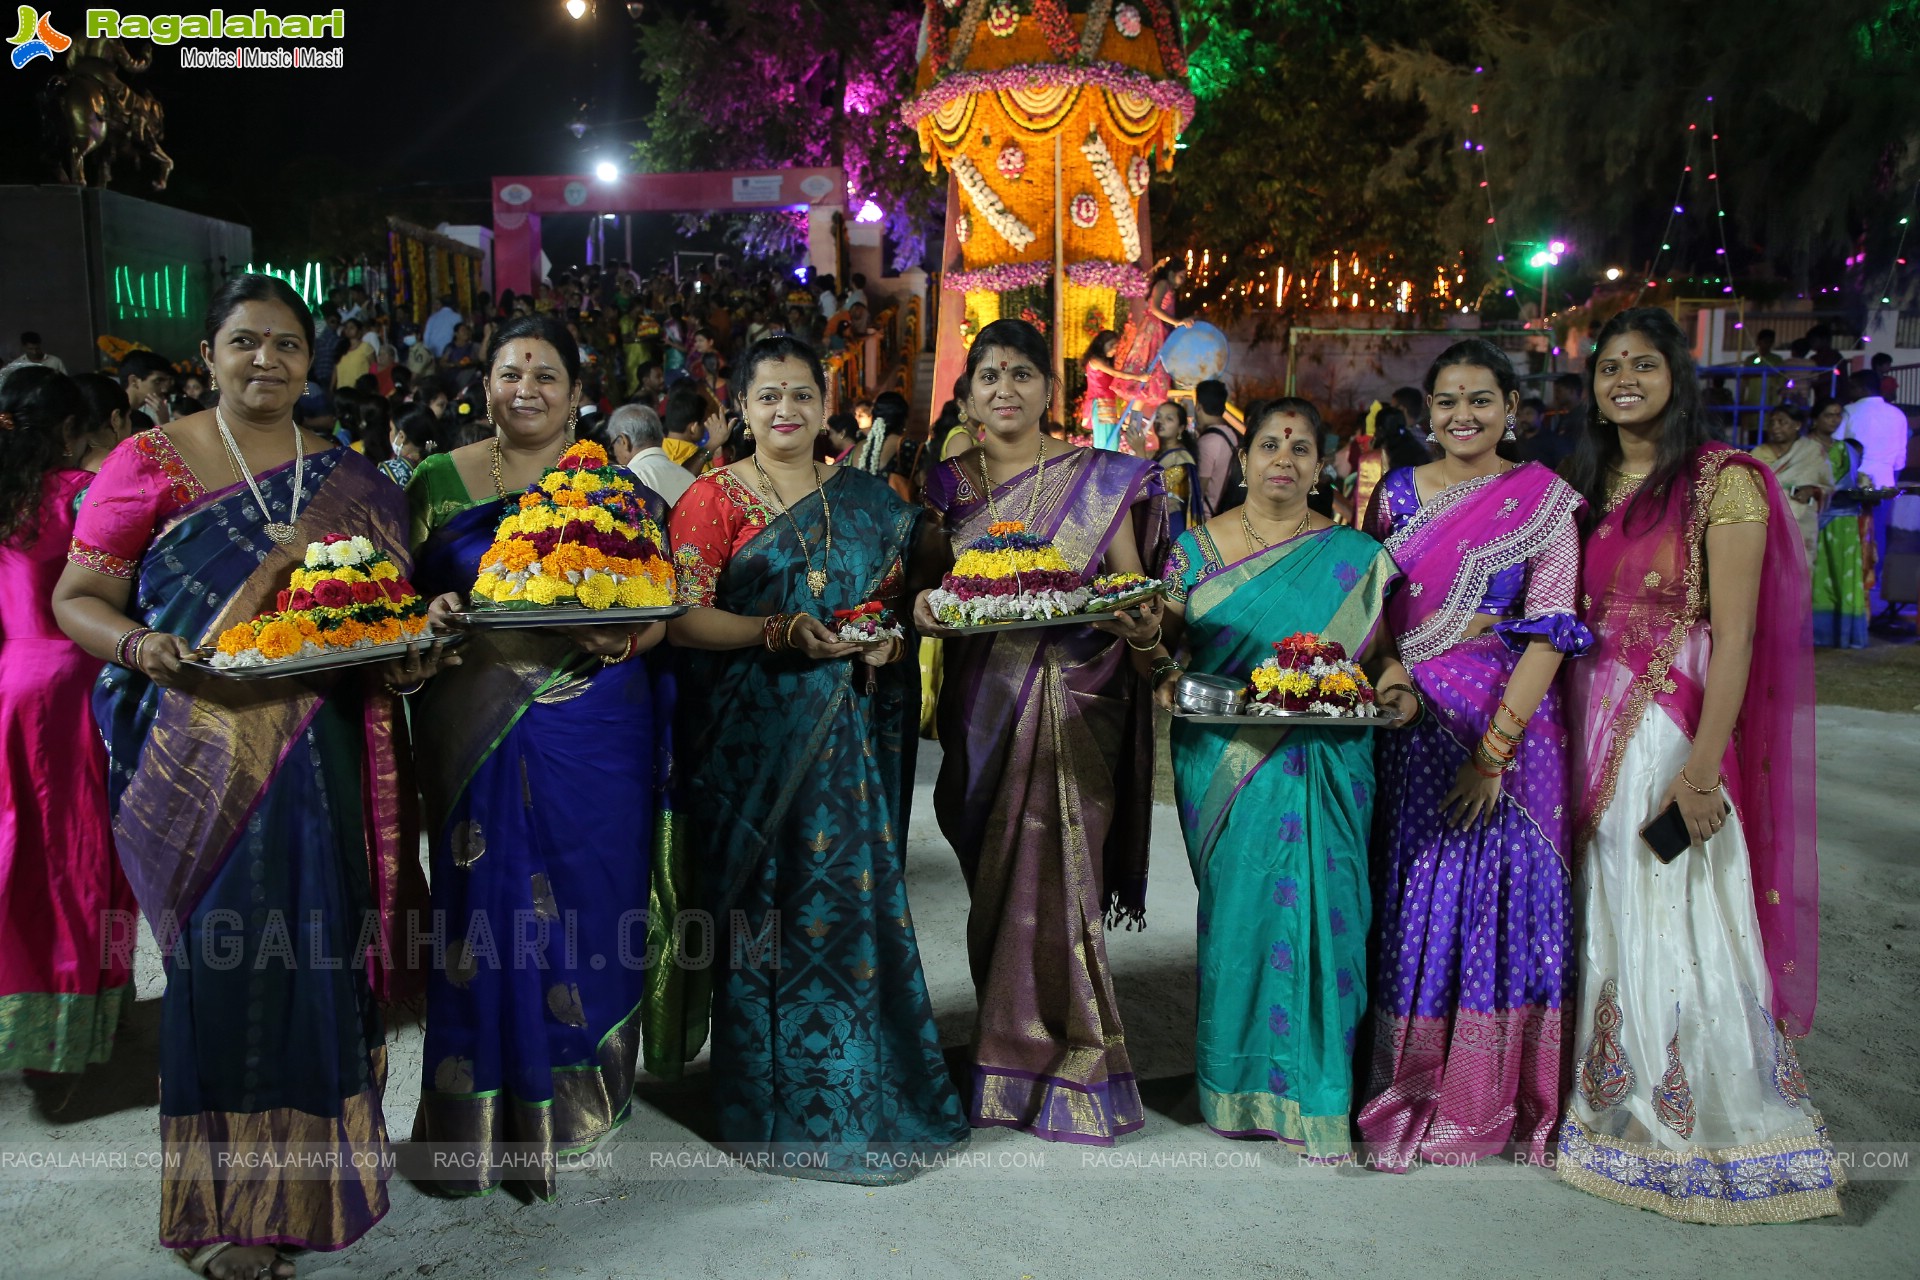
(1050, 117)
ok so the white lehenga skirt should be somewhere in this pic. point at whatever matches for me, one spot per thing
(1687, 1099)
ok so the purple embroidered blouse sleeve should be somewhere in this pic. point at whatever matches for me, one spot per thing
(1553, 582)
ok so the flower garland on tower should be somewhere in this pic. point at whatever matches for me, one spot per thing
(1107, 173)
(991, 207)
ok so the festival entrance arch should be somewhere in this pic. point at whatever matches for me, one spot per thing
(519, 202)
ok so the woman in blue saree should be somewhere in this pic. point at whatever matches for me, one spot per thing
(1276, 822)
(542, 775)
(265, 826)
(826, 1062)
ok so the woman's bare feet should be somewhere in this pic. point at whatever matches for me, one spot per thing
(239, 1262)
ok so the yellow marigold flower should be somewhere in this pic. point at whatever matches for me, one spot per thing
(598, 592)
(601, 518)
(544, 590)
(385, 571)
(641, 593)
(554, 481)
(279, 639)
(587, 482)
(237, 639)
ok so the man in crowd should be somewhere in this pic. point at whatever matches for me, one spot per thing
(637, 435)
(650, 386)
(32, 353)
(440, 325)
(148, 378)
(689, 414)
(1880, 428)
(1222, 482)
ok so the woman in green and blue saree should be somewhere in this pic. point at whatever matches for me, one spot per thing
(543, 767)
(1276, 823)
(826, 1062)
(265, 826)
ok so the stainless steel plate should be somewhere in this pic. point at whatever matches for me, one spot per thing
(1064, 620)
(564, 616)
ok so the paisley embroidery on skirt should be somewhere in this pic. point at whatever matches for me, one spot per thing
(1606, 1077)
(1673, 1100)
(1788, 1080)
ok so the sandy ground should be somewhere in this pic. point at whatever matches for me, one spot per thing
(1189, 1204)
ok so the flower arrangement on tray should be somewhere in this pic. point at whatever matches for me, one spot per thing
(1008, 576)
(871, 623)
(345, 595)
(580, 536)
(1309, 676)
(1110, 590)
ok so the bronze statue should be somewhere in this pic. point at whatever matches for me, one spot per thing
(94, 118)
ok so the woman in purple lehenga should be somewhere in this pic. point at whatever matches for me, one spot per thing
(1046, 783)
(1470, 829)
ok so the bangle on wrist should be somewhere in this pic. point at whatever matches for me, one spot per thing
(793, 620)
(772, 629)
(128, 645)
(414, 688)
(1701, 791)
(1149, 646)
(632, 647)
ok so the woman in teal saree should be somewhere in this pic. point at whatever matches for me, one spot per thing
(1276, 823)
(826, 1063)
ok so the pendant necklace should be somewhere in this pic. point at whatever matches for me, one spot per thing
(280, 531)
(816, 578)
(1033, 499)
(1257, 543)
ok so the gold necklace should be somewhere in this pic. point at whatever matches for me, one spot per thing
(816, 578)
(1033, 499)
(499, 486)
(1257, 543)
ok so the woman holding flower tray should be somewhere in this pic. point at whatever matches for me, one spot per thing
(1276, 822)
(1046, 783)
(826, 1062)
(542, 764)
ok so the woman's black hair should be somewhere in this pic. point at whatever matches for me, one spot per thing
(36, 403)
(1290, 406)
(544, 328)
(1682, 430)
(890, 411)
(104, 397)
(781, 347)
(1014, 335)
(375, 431)
(1397, 440)
(844, 425)
(1100, 340)
(1797, 412)
(421, 429)
(242, 289)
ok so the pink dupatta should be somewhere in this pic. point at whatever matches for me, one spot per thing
(1645, 594)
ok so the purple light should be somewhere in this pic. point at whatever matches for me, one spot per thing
(1739, 324)
(1478, 70)
(1480, 146)
(1499, 257)
(1556, 351)
(1509, 293)
(1466, 144)
(1678, 209)
(1727, 289)
(1720, 252)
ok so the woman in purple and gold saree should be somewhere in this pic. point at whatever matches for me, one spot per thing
(266, 826)
(543, 770)
(1045, 787)
(1473, 910)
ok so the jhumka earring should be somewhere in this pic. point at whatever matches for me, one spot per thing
(1511, 433)
(573, 421)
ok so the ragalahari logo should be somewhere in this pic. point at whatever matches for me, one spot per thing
(37, 38)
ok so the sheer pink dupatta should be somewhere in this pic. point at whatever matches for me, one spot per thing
(1645, 593)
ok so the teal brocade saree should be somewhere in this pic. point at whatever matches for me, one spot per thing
(1276, 827)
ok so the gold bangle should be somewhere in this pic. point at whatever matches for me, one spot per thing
(1701, 791)
(793, 620)
(1149, 646)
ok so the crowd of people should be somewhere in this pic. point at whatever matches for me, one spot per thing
(1564, 659)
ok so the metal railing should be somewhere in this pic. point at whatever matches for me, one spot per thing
(1756, 389)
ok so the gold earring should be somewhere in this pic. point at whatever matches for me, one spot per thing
(573, 421)
(213, 383)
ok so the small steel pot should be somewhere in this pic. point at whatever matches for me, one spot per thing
(1205, 695)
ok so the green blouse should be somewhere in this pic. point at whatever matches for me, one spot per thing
(435, 495)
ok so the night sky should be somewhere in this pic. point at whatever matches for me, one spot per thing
(434, 99)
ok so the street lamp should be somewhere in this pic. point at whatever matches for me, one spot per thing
(607, 171)
(576, 9)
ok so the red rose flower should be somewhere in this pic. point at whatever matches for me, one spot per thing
(332, 594)
(280, 601)
(396, 590)
(332, 538)
(367, 593)
(301, 600)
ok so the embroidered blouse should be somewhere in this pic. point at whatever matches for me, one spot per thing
(141, 483)
(1534, 588)
(718, 515)
(1737, 495)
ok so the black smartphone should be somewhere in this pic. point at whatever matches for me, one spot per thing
(1667, 835)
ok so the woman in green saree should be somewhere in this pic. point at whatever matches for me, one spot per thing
(1276, 823)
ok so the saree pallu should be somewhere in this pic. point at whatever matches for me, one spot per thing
(1804, 464)
(1046, 793)
(1688, 1099)
(542, 787)
(1840, 561)
(1472, 924)
(826, 1061)
(267, 831)
(1276, 831)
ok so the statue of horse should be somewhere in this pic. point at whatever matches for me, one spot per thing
(92, 117)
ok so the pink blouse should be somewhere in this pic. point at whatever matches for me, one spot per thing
(142, 482)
